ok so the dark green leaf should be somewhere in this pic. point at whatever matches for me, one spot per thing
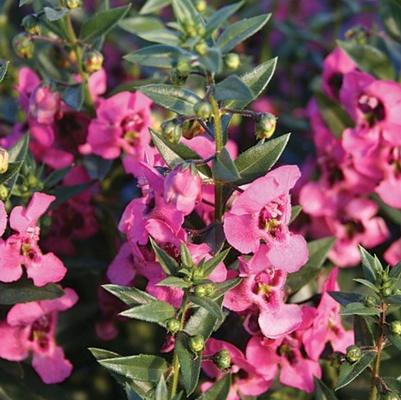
(366, 283)
(74, 96)
(139, 24)
(12, 171)
(177, 99)
(369, 59)
(210, 305)
(213, 60)
(185, 12)
(186, 257)
(390, 11)
(157, 311)
(102, 22)
(55, 15)
(56, 177)
(153, 5)
(221, 288)
(129, 295)
(218, 18)
(345, 298)
(233, 88)
(163, 36)
(168, 263)
(323, 392)
(224, 168)
(219, 390)
(3, 69)
(395, 272)
(393, 383)
(97, 167)
(395, 340)
(173, 281)
(24, 292)
(161, 390)
(201, 322)
(318, 250)
(349, 372)
(257, 160)
(65, 193)
(239, 31)
(363, 334)
(209, 266)
(372, 268)
(23, 2)
(393, 300)
(190, 364)
(359, 309)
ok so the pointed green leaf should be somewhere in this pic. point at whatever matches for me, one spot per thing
(219, 390)
(152, 6)
(233, 88)
(186, 257)
(363, 330)
(168, 263)
(393, 300)
(390, 12)
(74, 96)
(185, 12)
(218, 18)
(157, 311)
(221, 288)
(358, 309)
(372, 268)
(209, 266)
(55, 15)
(201, 322)
(224, 168)
(295, 211)
(3, 69)
(173, 281)
(161, 390)
(323, 392)
(366, 283)
(395, 272)
(210, 305)
(345, 298)
(213, 60)
(129, 295)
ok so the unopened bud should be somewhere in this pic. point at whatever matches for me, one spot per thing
(3, 160)
(31, 25)
(387, 291)
(196, 343)
(72, 4)
(173, 325)
(183, 67)
(370, 301)
(204, 290)
(3, 193)
(201, 48)
(190, 28)
(171, 130)
(222, 359)
(354, 354)
(265, 126)
(232, 61)
(23, 45)
(203, 109)
(395, 328)
(200, 5)
(92, 61)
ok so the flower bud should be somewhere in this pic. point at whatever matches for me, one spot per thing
(387, 291)
(72, 4)
(196, 343)
(173, 325)
(204, 290)
(201, 48)
(354, 354)
(92, 61)
(395, 328)
(23, 46)
(358, 34)
(176, 78)
(232, 61)
(265, 126)
(190, 28)
(200, 5)
(222, 359)
(31, 25)
(183, 67)
(203, 109)
(3, 193)
(370, 301)
(201, 30)
(3, 160)
(171, 130)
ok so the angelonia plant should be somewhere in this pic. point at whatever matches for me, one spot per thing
(201, 235)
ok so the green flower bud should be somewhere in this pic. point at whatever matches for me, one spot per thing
(395, 328)
(183, 67)
(23, 46)
(204, 290)
(370, 301)
(3, 193)
(203, 109)
(31, 25)
(200, 5)
(201, 30)
(172, 130)
(358, 34)
(176, 78)
(3, 160)
(201, 48)
(92, 61)
(173, 325)
(222, 359)
(265, 126)
(387, 291)
(196, 343)
(354, 354)
(232, 61)
(190, 28)
(72, 4)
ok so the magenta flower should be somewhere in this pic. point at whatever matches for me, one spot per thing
(30, 328)
(327, 326)
(295, 370)
(121, 124)
(248, 380)
(262, 213)
(393, 253)
(21, 248)
(3, 218)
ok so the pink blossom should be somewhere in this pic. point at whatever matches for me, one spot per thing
(247, 378)
(3, 218)
(263, 212)
(393, 253)
(327, 326)
(44, 105)
(30, 328)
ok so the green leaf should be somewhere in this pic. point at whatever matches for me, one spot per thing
(201, 322)
(157, 311)
(186, 257)
(366, 283)
(190, 364)
(56, 177)
(97, 167)
(395, 340)
(239, 31)
(393, 300)
(335, 117)
(65, 193)
(3, 69)
(363, 333)
(173, 281)
(390, 12)
(224, 168)
(295, 211)
(221, 288)
(141, 24)
(23, 2)
(102, 22)
(153, 5)
(158, 55)
(161, 390)
(218, 18)
(213, 60)
(219, 390)
(395, 272)
(129, 295)
(12, 171)
(257, 80)
(318, 250)
(142, 367)
(345, 298)
(210, 305)
(163, 36)
(173, 98)
(209, 266)
(372, 268)
(55, 15)
(168, 263)
(393, 383)
(185, 12)
(349, 372)
(323, 392)
(369, 59)
(233, 88)
(74, 96)
(257, 160)
(24, 291)
(359, 309)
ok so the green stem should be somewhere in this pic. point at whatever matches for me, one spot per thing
(379, 347)
(218, 133)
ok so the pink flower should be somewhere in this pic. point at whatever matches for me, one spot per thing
(262, 290)
(183, 188)
(21, 248)
(327, 326)
(393, 253)
(3, 218)
(122, 123)
(247, 377)
(30, 328)
(263, 212)
(44, 105)
(295, 370)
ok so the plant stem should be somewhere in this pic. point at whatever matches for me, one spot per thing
(379, 347)
(218, 133)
